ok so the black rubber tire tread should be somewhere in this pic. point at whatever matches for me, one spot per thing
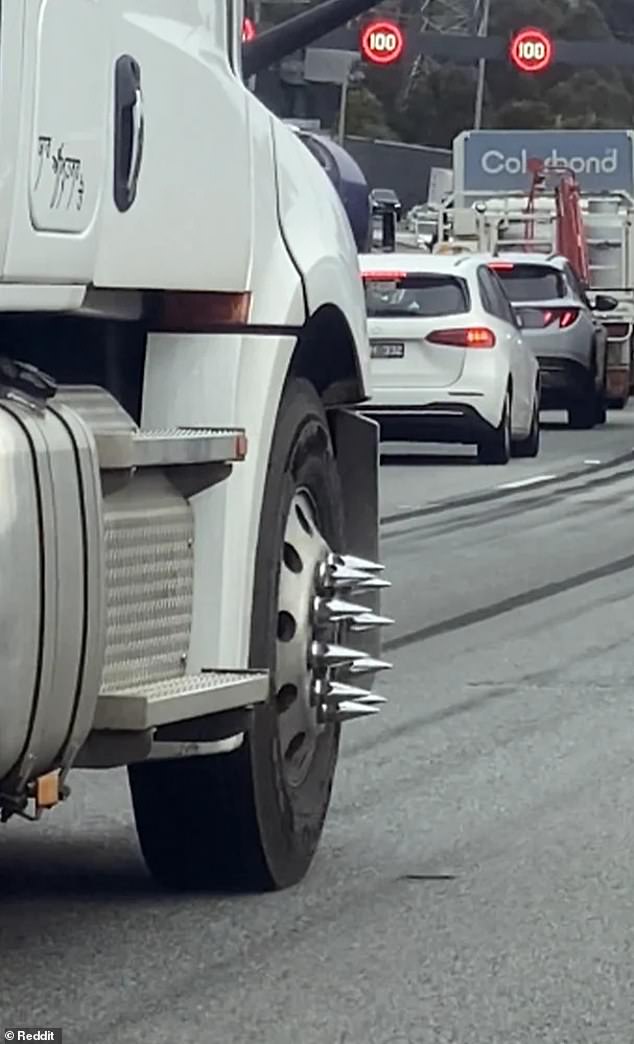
(496, 448)
(582, 414)
(229, 822)
(529, 447)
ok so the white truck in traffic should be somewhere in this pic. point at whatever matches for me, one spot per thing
(184, 474)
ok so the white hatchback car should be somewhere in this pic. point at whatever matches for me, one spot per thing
(449, 363)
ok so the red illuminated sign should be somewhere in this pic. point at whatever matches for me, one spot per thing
(248, 30)
(532, 50)
(382, 42)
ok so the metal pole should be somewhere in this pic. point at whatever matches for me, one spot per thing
(343, 110)
(299, 31)
(483, 30)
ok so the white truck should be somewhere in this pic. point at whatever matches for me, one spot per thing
(610, 227)
(177, 275)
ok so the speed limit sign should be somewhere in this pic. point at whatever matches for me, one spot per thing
(532, 50)
(382, 42)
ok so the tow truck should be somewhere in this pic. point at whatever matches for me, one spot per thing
(188, 494)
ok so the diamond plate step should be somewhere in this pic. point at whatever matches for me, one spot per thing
(136, 708)
(121, 445)
(159, 449)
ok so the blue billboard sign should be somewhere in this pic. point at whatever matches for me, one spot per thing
(499, 161)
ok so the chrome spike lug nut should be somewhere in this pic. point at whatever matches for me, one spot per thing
(344, 576)
(348, 711)
(335, 610)
(362, 564)
(368, 621)
(372, 700)
(374, 583)
(368, 665)
(325, 655)
(333, 576)
(340, 691)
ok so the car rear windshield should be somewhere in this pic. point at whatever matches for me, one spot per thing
(532, 282)
(416, 296)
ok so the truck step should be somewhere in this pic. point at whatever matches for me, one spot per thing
(141, 707)
(161, 449)
(121, 445)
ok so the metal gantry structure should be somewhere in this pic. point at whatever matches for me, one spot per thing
(452, 16)
(458, 17)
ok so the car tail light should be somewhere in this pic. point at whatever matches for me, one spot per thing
(564, 316)
(383, 277)
(465, 337)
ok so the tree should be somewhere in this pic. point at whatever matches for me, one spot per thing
(440, 101)
(366, 115)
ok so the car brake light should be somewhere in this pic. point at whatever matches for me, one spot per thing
(465, 337)
(564, 316)
(568, 317)
(502, 266)
(383, 277)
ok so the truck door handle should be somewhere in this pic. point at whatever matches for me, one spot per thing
(129, 129)
(138, 120)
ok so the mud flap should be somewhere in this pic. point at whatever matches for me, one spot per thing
(356, 442)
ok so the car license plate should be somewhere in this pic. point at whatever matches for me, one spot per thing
(385, 350)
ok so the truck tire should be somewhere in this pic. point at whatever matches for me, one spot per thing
(496, 447)
(251, 820)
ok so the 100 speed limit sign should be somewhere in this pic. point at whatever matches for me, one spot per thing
(382, 42)
(532, 50)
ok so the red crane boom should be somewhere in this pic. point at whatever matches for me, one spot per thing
(570, 232)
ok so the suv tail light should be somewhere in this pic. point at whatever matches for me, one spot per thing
(564, 316)
(465, 337)
(538, 318)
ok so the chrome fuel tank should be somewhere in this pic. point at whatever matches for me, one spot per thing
(51, 585)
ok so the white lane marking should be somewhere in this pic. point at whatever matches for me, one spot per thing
(592, 462)
(527, 482)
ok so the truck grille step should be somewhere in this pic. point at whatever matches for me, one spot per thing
(160, 449)
(140, 707)
(121, 445)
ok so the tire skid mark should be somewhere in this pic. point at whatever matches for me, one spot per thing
(507, 605)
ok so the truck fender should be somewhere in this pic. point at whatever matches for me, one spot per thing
(319, 239)
(233, 380)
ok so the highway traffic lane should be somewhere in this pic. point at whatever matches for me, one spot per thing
(473, 881)
(414, 475)
(474, 559)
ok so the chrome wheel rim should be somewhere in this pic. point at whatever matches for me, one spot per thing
(298, 680)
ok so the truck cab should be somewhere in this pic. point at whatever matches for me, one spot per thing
(195, 494)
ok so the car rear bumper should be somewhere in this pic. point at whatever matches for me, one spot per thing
(437, 422)
(562, 380)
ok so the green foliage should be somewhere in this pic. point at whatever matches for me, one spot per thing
(366, 115)
(430, 102)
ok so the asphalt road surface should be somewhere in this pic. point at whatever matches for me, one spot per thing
(474, 882)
